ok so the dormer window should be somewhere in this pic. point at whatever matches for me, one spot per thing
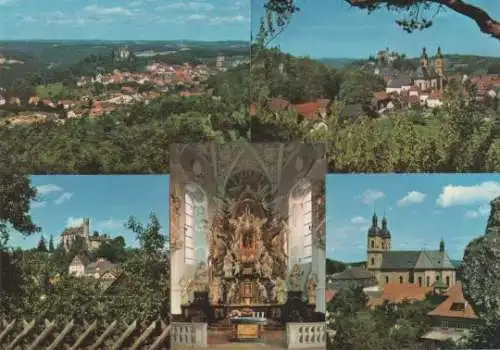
(458, 306)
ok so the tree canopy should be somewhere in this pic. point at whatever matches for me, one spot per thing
(416, 13)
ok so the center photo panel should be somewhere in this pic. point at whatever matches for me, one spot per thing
(247, 232)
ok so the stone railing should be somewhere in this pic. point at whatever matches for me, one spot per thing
(189, 333)
(306, 335)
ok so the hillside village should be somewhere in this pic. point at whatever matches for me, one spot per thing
(103, 93)
(421, 89)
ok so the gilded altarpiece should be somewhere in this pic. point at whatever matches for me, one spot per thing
(247, 224)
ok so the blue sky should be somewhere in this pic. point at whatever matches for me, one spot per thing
(331, 28)
(107, 200)
(421, 210)
(125, 20)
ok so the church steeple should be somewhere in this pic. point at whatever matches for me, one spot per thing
(424, 59)
(373, 230)
(441, 246)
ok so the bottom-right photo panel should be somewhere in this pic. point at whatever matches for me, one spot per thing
(413, 261)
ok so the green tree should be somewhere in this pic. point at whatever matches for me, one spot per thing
(51, 244)
(416, 13)
(113, 251)
(358, 87)
(42, 246)
(16, 194)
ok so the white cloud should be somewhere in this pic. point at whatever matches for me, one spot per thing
(481, 212)
(66, 196)
(228, 19)
(110, 224)
(188, 6)
(370, 196)
(44, 190)
(196, 17)
(6, 2)
(106, 11)
(74, 222)
(462, 195)
(358, 220)
(38, 204)
(413, 197)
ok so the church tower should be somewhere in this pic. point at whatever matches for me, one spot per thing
(386, 235)
(439, 68)
(375, 249)
(424, 59)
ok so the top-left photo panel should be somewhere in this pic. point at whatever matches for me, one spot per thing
(105, 87)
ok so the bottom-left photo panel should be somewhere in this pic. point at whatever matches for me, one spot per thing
(84, 262)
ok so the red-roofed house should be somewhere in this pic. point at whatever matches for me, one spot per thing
(394, 293)
(451, 319)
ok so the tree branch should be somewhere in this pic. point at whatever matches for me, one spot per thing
(485, 23)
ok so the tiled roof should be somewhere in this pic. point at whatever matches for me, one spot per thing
(455, 305)
(329, 294)
(425, 259)
(352, 273)
(397, 292)
(308, 110)
(277, 104)
(381, 95)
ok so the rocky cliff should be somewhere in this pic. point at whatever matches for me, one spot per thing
(481, 266)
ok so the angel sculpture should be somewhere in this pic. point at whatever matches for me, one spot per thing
(263, 292)
(231, 294)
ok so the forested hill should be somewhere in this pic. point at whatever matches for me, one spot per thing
(455, 64)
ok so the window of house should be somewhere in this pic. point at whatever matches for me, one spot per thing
(373, 261)
(437, 278)
(428, 281)
(194, 226)
(448, 281)
(444, 324)
(301, 220)
(373, 243)
(420, 281)
(386, 279)
(401, 279)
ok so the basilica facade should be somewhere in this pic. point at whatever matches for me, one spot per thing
(247, 223)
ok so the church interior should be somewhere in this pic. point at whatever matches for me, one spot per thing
(247, 236)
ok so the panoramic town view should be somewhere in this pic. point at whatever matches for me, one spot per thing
(116, 81)
(408, 261)
(337, 70)
(83, 259)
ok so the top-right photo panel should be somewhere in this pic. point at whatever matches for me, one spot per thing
(388, 87)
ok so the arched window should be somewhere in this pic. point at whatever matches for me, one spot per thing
(420, 281)
(386, 279)
(373, 243)
(300, 219)
(401, 279)
(428, 281)
(448, 281)
(437, 278)
(195, 210)
(373, 261)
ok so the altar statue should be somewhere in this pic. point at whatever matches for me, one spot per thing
(263, 292)
(236, 269)
(228, 265)
(280, 291)
(294, 278)
(247, 240)
(231, 294)
(311, 290)
(267, 266)
(184, 283)
(215, 291)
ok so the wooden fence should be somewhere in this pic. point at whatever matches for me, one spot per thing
(52, 335)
